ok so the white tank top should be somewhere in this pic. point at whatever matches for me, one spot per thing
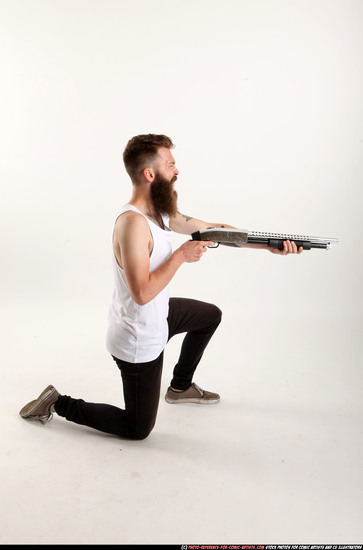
(138, 334)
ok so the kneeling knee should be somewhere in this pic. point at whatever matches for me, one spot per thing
(138, 435)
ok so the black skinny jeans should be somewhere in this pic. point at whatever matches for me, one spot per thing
(141, 381)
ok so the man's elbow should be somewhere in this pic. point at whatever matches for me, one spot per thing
(142, 301)
(140, 297)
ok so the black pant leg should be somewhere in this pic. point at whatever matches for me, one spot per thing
(141, 386)
(100, 416)
(199, 320)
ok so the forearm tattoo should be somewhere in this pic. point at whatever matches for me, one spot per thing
(187, 218)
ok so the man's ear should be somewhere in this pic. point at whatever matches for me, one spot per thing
(149, 174)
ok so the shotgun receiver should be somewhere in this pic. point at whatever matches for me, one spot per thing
(237, 237)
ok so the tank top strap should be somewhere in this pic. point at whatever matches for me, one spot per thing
(128, 207)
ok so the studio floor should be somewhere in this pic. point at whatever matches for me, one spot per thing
(278, 460)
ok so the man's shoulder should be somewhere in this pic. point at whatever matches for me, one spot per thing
(130, 221)
(130, 216)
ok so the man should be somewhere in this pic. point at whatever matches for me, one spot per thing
(142, 317)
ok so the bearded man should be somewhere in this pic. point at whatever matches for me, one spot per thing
(142, 316)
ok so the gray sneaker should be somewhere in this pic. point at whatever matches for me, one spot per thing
(194, 394)
(39, 409)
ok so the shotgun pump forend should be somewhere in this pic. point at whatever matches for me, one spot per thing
(237, 237)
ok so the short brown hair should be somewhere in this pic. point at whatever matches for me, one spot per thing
(141, 151)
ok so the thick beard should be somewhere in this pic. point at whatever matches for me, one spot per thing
(163, 196)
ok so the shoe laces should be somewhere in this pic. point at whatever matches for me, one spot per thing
(198, 388)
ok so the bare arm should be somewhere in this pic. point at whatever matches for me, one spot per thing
(133, 245)
(188, 225)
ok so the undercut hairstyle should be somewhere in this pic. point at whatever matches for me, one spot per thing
(141, 151)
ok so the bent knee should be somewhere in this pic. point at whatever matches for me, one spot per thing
(138, 435)
(215, 314)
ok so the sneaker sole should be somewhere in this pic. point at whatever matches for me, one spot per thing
(200, 401)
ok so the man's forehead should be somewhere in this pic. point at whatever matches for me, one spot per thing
(165, 154)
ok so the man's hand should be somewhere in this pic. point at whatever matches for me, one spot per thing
(289, 248)
(193, 250)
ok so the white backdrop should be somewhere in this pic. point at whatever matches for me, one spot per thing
(263, 99)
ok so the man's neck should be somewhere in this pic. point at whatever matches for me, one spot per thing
(141, 199)
(145, 205)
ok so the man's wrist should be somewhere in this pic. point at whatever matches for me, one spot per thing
(178, 256)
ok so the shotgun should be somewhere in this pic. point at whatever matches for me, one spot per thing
(237, 237)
